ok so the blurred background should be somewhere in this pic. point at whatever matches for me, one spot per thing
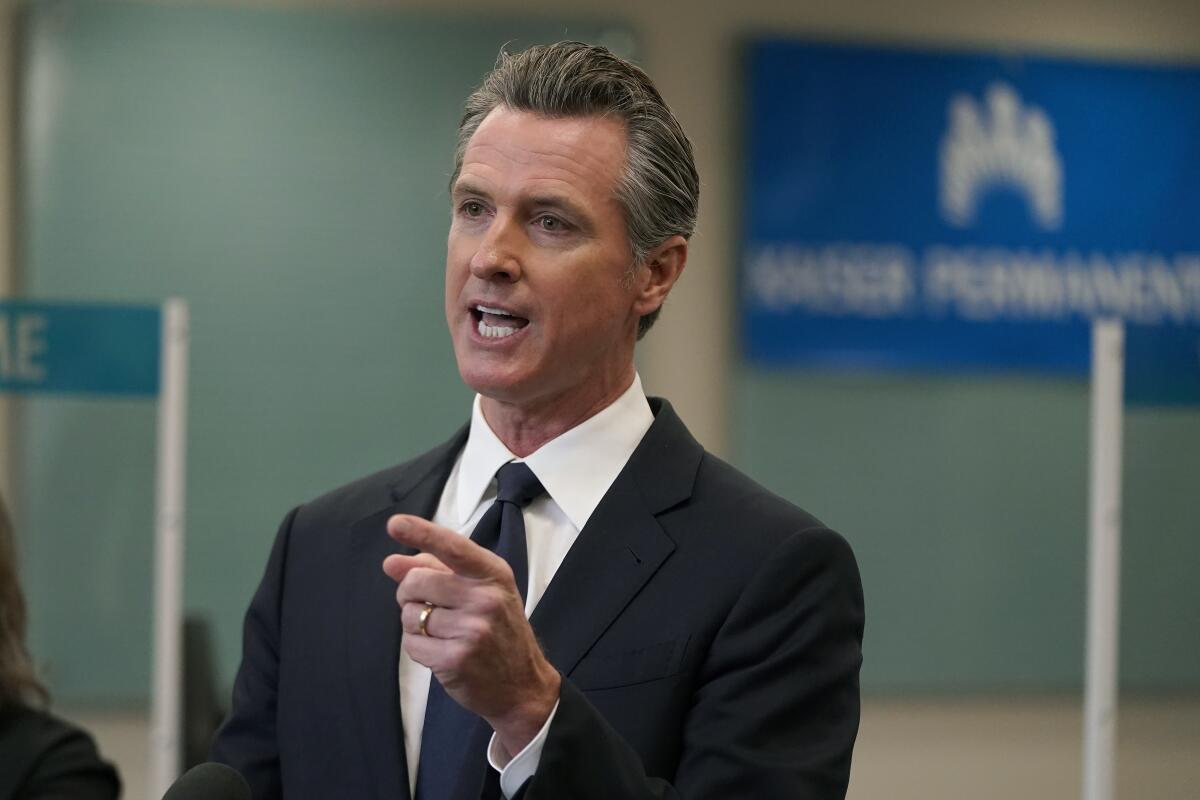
(282, 166)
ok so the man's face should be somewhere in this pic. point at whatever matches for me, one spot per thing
(537, 297)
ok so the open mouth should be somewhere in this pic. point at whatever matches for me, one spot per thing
(496, 323)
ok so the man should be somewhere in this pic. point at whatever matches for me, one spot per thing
(629, 617)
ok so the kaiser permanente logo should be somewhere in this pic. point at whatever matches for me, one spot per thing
(994, 144)
(1000, 145)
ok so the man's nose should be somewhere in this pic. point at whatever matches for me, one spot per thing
(498, 254)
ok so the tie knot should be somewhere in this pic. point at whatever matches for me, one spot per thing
(516, 483)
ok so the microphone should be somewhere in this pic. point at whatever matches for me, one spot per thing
(209, 781)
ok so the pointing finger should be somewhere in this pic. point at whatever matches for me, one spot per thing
(452, 549)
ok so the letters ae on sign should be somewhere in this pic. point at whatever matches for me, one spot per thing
(22, 348)
(89, 348)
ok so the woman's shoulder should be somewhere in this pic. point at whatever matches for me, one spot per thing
(44, 756)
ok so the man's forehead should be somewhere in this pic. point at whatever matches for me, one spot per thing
(537, 154)
(525, 136)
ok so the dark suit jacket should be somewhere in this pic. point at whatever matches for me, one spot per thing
(709, 634)
(44, 758)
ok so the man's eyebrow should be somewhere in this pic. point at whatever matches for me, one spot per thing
(467, 188)
(555, 201)
(463, 187)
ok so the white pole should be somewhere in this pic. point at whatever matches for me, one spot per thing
(1104, 562)
(166, 705)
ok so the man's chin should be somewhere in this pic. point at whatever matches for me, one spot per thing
(500, 385)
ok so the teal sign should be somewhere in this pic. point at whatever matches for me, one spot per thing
(73, 348)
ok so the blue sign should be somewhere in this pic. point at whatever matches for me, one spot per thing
(75, 348)
(948, 211)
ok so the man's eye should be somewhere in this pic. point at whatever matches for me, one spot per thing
(472, 208)
(549, 223)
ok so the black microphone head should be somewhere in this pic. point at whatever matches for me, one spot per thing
(209, 781)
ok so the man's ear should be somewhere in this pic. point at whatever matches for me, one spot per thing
(662, 267)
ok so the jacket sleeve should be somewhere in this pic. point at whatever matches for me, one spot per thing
(246, 740)
(775, 712)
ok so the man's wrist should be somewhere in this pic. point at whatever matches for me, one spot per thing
(521, 767)
(517, 729)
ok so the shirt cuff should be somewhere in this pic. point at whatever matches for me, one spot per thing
(520, 767)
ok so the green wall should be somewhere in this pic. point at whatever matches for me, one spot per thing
(284, 172)
(966, 502)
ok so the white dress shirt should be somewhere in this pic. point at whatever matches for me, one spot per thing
(576, 469)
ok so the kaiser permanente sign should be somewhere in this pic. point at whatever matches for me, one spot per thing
(954, 211)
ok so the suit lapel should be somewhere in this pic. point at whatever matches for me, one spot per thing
(621, 546)
(373, 621)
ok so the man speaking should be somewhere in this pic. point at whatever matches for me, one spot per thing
(570, 598)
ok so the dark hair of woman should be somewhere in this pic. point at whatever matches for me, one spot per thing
(18, 681)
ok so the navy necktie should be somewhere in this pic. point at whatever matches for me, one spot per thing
(453, 744)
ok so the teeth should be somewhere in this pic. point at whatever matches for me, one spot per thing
(498, 312)
(495, 331)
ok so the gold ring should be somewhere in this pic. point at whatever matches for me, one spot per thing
(423, 620)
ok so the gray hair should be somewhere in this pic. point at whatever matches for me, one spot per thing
(659, 190)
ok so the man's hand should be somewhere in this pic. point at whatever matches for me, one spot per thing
(479, 644)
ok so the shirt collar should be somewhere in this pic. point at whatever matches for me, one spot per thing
(576, 468)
